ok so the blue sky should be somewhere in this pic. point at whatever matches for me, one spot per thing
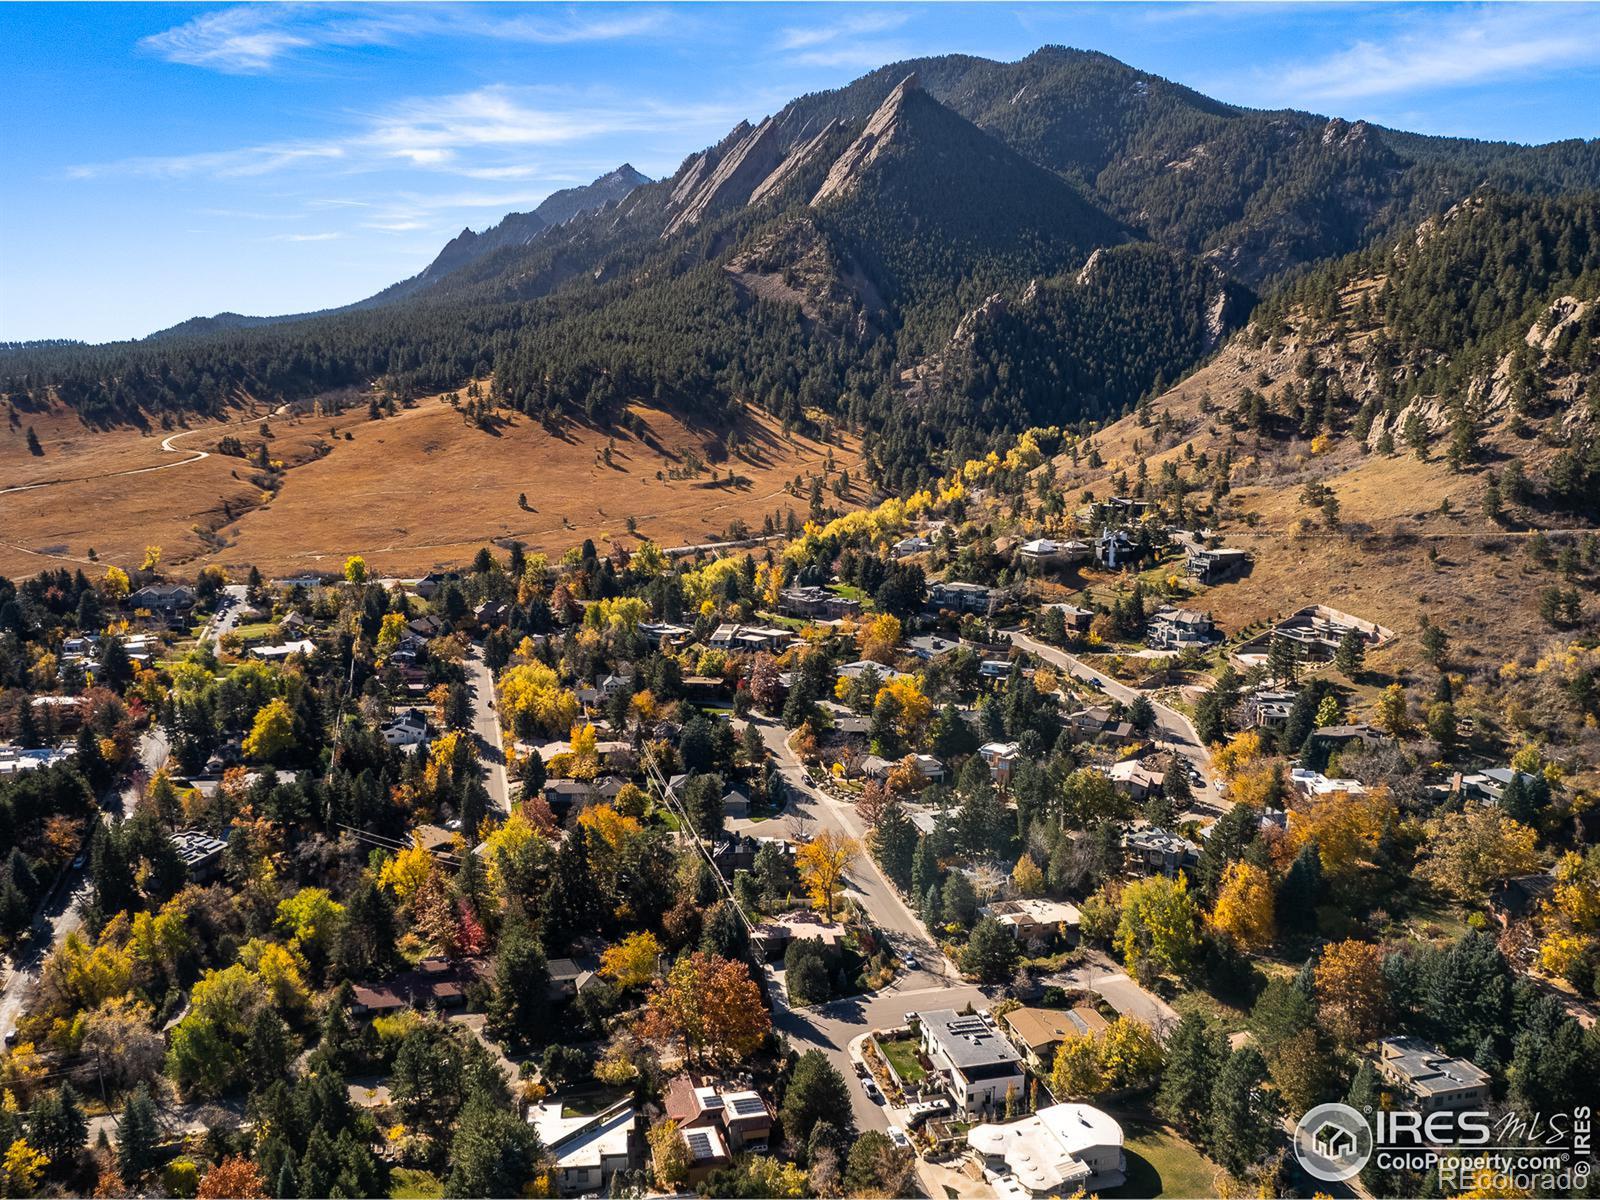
(163, 161)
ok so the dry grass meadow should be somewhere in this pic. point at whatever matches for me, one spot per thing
(419, 489)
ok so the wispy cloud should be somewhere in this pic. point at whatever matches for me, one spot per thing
(1493, 43)
(801, 37)
(482, 134)
(307, 237)
(254, 38)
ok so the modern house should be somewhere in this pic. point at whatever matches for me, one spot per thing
(408, 727)
(1061, 1150)
(201, 853)
(664, 633)
(717, 1121)
(961, 597)
(1038, 1032)
(915, 544)
(930, 647)
(1266, 709)
(1077, 619)
(1001, 758)
(729, 636)
(1047, 552)
(1209, 566)
(1152, 851)
(1490, 786)
(980, 1067)
(588, 1151)
(1431, 1080)
(1313, 784)
(816, 604)
(1180, 629)
(1114, 548)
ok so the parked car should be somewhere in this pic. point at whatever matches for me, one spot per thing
(911, 963)
(873, 1091)
(862, 1072)
(899, 1138)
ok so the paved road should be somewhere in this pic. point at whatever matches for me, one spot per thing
(809, 806)
(1172, 727)
(486, 725)
(226, 617)
(61, 912)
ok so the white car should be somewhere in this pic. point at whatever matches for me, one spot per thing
(873, 1091)
(899, 1138)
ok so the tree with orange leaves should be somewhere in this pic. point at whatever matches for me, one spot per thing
(711, 1006)
(235, 1178)
(1346, 826)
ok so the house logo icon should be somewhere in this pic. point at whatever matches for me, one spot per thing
(1333, 1142)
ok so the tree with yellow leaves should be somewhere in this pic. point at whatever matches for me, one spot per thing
(1158, 929)
(822, 863)
(403, 874)
(1076, 1069)
(533, 700)
(1242, 752)
(1393, 714)
(631, 963)
(390, 634)
(914, 710)
(115, 585)
(502, 846)
(1243, 911)
(271, 735)
(1352, 997)
(1467, 852)
(1570, 918)
(878, 638)
(1027, 878)
(355, 569)
(22, 1169)
(152, 558)
(1346, 826)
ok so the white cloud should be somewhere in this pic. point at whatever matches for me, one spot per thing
(254, 38)
(857, 25)
(482, 134)
(306, 237)
(1433, 53)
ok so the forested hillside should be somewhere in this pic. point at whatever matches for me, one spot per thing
(822, 264)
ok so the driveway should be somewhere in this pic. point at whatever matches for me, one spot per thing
(1100, 974)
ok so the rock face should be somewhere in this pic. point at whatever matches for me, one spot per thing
(560, 207)
(808, 153)
(874, 138)
(732, 180)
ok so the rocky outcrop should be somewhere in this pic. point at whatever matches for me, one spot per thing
(560, 207)
(805, 155)
(875, 137)
(735, 176)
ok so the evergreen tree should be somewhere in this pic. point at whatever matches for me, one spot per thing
(519, 1004)
(1194, 1055)
(1244, 1114)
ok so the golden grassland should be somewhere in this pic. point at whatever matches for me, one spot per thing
(420, 489)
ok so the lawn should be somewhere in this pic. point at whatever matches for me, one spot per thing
(1160, 1163)
(902, 1052)
(406, 1183)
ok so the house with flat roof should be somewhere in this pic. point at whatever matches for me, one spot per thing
(1038, 1032)
(961, 597)
(1431, 1079)
(1149, 851)
(1061, 1150)
(201, 853)
(1048, 552)
(977, 1064)
(1035, 919)
(1001, 759)
(815, 603)
(1211, 565)
(588, 1150)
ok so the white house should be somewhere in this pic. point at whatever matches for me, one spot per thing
(979, 1064)
(588, 1151)
(408, 728)
(1060, 1150)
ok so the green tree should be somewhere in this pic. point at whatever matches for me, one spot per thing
(816, 1092)
(519, 1005)
(138, 1137)
(1195, 1053)
(990, 953)
(494, 1152)
(1244, 1114)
